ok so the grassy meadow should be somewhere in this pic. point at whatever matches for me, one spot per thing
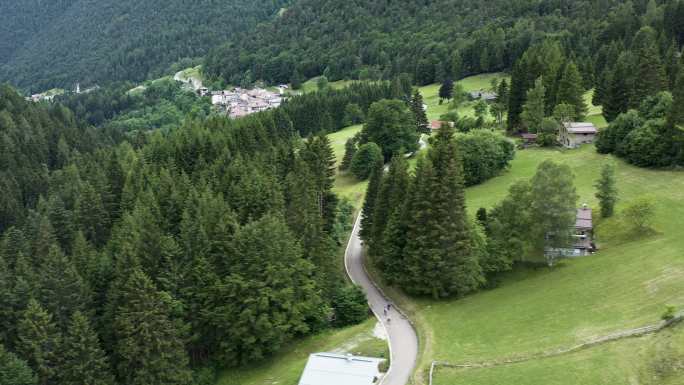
(473, 83)
(627, 284)
(648, 360)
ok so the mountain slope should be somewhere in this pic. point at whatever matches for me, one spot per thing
(95, 41)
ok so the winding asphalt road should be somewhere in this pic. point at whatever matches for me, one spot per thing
(402, 337)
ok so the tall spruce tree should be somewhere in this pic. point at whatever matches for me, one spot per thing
(38, 343)
(390, 197)
(149, 347)
(571, 90)
(440, 257)
(675, 120)
(516, 97)
(446, 90)
(320, 158)
(372, 191)
(422, 124)
(606, 192)
(15, 371)
(350, 148)
(533, 110)
(268, 296)
(61, 287)
(649, 70)
(83, 360)
(620, 90)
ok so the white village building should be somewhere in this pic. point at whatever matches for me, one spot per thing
(337, 369)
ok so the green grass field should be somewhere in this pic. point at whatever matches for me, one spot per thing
(286, 368)
(625, 285)
(649, 360)
(473, 83)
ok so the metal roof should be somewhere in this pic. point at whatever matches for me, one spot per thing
(337, 369)
(583, 220)
(580, 128)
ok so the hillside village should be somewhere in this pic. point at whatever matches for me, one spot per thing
(239, 102)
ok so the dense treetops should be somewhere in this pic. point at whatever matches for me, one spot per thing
(93, 42)
(432, 41)
(214, 242)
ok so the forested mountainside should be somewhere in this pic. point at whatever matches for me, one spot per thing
(431, 40)
(216, 242)
(59, 43)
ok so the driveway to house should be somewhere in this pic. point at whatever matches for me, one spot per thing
(402, 337)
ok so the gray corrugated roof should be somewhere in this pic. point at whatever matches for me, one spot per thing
(580, 128)
(583, 220)
(337, 369)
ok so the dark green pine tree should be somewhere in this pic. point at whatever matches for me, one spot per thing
(517, 95)
(24, 288)
(83, 360)
(441, 257)
(62, 222)
(296, 79)
(6, 302)
(422, 124)
(601, 89)
(320, 158)
(675, 120)
(502, 93)
(649, 70)
(115, 184)
(620, 89)
(268, 296)
(446, 90)
(15, 371)
(304, 218)
(200, 278)
(43, 235)
(672, 60)
(61, 287)
(392, 258)
(571, 90)
(372, 191)
(149, 347)
(350, 148)
(391, 196)
(38, 342)
(91, 215)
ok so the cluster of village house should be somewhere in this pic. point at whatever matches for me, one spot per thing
(239, 102)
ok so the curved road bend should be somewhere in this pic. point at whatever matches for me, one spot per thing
(401, 336)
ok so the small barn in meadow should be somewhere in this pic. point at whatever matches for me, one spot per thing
(338, 369)
(573, 134)
(437, 124)
(528, 138)
(487, 96)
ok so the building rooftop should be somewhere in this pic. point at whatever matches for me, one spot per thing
(437, 124)
(337, 369)
(580, 128)
(583, 220)
(484, 95)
